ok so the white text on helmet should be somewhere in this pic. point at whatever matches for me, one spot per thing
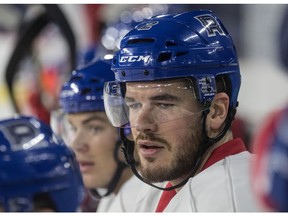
(134, 58)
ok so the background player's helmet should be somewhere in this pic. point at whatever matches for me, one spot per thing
(193, 44)
(33, 161)
(83, 92)
(270, 179)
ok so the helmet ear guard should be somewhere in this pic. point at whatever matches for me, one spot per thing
(206, 88)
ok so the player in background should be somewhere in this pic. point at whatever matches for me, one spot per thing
(270, 175)
(270, 144)
(95, 141)
(38, 171)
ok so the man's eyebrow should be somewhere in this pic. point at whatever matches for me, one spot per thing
(166, 97)
(93, 118)
(89, 119)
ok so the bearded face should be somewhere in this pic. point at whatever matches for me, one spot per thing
(165, 121)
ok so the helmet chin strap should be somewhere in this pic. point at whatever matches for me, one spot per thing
(209, 141)
(128, 147)
(114, 181)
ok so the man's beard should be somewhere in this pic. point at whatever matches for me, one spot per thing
(183, 162)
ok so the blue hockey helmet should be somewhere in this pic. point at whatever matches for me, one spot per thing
(192, 44)
(33, 161)
(83, 92)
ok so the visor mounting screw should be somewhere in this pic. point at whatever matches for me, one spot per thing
(123, 73)
(146, 72)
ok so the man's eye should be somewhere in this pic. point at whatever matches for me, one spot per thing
(134, 105)
(95, 130)
(165, 106)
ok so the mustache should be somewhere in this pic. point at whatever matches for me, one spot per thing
(152, 138)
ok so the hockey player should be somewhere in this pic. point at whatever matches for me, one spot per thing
(270, 144)
(95, 141)
(176, 88)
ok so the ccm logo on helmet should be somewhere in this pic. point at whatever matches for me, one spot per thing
(135, 58)
(210, 24)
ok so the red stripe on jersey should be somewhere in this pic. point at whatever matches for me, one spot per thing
(232, 147)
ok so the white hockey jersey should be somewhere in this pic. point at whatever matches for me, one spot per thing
(224, 186)
(124, 200)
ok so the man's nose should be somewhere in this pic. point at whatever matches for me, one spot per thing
(80, 143)
(145, 120)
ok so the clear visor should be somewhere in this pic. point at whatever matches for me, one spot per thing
(139, 104)
(61, 126)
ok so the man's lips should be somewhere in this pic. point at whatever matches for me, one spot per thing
(148, 148)
(85, 166)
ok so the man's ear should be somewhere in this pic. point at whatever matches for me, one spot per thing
(218, 111)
